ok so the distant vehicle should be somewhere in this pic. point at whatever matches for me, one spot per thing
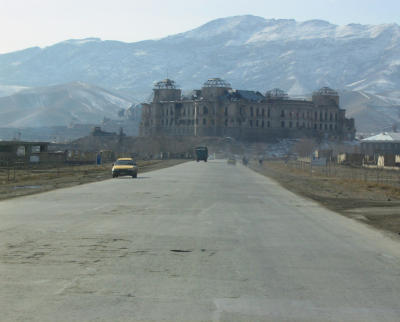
(232, 161)
(124, 167)
(201, 153)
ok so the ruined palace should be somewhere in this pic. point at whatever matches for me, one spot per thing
(219, 110)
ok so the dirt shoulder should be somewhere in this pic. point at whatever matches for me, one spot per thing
(40, 180)
(375, 204)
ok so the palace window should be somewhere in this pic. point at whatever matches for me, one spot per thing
(204, 121)
(283, 124)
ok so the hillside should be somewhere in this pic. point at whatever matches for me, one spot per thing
(251, 52)
(372, 113)
(61, 105)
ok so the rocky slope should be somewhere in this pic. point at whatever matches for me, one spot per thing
(250, 52)
(372, 113)
(61, 105)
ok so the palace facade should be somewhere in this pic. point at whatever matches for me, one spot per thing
(218, 110)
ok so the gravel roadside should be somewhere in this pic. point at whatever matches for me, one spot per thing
(28, 182)
(377, 205)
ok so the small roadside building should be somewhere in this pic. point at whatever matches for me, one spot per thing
(22, 151)
(382, 143)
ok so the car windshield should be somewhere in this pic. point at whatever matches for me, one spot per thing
(124, 162)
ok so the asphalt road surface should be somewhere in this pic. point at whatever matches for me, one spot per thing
(198, 241)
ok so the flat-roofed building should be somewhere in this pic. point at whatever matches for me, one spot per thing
(382, 143)
(24, 151)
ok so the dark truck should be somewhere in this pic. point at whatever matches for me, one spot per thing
(201, 153)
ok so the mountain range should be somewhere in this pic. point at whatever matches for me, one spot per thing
(372, 113)
(248, 51)
(251, 52)
(61, 105)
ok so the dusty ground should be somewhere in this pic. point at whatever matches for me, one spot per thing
(39, 180)
(375, 204)
(198, 242)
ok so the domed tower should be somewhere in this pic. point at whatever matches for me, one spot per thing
(166, 90)
(325, 97)
(276, 94)
(215, 88)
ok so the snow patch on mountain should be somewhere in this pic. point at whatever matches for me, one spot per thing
(60, 105)
(250, 52)
(6, 90)
(82, 41)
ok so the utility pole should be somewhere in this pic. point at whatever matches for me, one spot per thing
(195, 118)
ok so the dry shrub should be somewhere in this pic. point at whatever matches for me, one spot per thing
(304, 147)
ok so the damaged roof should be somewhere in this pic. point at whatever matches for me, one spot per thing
(252, 96)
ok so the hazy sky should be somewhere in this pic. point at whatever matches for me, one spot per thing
(27, 23)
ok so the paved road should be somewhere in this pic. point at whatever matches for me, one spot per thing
(199, 241)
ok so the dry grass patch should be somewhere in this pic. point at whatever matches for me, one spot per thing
(29, 181)
(358, 199)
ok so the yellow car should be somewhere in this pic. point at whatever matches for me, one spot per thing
(124, 167)
(232, 161)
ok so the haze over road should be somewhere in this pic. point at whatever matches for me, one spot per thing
(198, 241)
